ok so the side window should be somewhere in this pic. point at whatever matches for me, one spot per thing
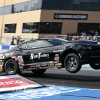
(37, 44)
(56, 42)
(23, 46)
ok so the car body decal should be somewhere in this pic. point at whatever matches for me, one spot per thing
(39, 55)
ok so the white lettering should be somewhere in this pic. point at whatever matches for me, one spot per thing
(39, 55)
(69, 16)
(1, 83)
(32, 56)
(10, 82)
(65, 16)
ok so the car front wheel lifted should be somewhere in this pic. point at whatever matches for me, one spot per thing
(72, 63)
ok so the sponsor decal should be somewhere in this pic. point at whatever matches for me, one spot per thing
(29, 69)
(57, 61)
(20, 59)
(58, 66)
(21, 62)
(0, 63)
(39, 55)
(19, 56)
(51, 65)
(56, 55)
(51, 62)
(71, 16)
(32, 65)
(43, 68)
(1, 68)
(37, 65)
(56, 58)
(13, 57)
(20, 67)
(44, 65)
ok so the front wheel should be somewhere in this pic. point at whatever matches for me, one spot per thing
(11, 67)
(72, 63)
(95, 66)
(39, 71)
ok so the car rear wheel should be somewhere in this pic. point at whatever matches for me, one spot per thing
(11, 67)
(95, 65)
(72, 63)
(39, 72)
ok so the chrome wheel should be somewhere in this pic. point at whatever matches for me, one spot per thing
(72, 63)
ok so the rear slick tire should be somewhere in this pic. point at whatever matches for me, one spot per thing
(72, 63)
(11, 67)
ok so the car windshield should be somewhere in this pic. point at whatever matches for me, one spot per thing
(56, 41)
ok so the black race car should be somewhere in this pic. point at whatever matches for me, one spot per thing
(40, 54)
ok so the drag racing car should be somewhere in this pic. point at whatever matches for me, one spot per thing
(40, 54)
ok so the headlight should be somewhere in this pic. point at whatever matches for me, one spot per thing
(87, 47)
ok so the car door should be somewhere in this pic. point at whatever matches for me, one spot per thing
(42, 51)
(25, 53)
(58, 48)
